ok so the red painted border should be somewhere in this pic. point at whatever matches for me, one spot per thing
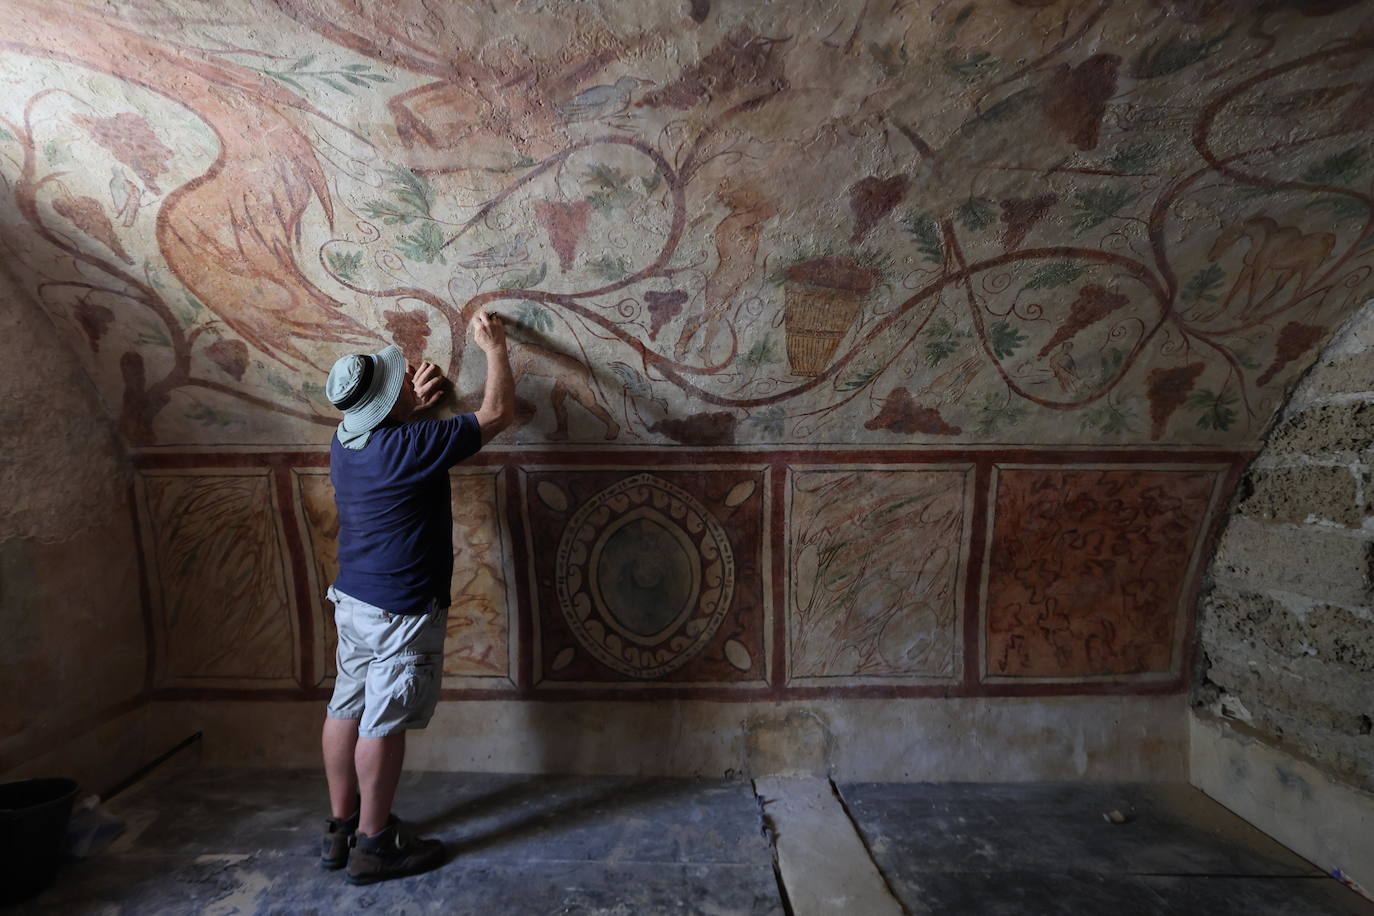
(776, 534)
(145, 595)
(282, 478)
(973, 583)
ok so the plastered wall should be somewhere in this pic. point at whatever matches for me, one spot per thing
(75, 647)
(922, 342)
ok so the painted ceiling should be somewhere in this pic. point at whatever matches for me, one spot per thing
(710, 223)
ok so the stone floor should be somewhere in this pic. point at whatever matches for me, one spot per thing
(244, 841)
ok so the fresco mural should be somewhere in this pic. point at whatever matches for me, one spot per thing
(648, 578)
(874, 587)
(1092, 569)
(477, 652)
(214, 548)
(877, 260)
(1004, 222)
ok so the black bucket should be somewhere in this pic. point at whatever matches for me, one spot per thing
(33, 834)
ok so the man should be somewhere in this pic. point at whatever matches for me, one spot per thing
(391, 598)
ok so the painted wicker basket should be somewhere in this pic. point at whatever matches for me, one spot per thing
(823, 299)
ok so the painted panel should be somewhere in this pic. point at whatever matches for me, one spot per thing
(875, 574)
(479, 648)
(223, 609)
(1089, 570)
(645, 578)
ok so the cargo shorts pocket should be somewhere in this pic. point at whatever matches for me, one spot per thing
(417, 689)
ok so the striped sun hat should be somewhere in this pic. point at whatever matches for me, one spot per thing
(365, 387)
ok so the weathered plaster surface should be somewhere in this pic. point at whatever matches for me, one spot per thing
(715, 223)
(1322, 819)
(964, 739)
(1287, 631)
(932, 333)
(74, 645)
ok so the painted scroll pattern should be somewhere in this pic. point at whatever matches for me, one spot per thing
(1053, 222)
(1090, 568)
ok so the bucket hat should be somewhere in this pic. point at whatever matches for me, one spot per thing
(365, 387)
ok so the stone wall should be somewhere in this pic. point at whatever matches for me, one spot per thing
(1287, 629)
(74, 649)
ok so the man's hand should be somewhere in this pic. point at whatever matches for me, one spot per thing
(489, 332)
(428, 384)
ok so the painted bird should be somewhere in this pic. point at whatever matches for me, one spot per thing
(126, 196)
(601, 102)
(507, 254)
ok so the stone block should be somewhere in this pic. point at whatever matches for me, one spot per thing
(1293, 494)
(1342, 375)
(1343, 638)
(1345, 430)
(1234, 617)
(1326, 565)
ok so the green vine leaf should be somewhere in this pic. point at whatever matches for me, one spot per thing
(1054, 274)
(943, 340)
(1135, 157)
(769, 420)
(1341, 208)
(526, 280)
(926, 231)
(976, 213)
(612, 268)
(425, 244)
(534, 317)
(1097, 205)
(993, 417)
(1339, 168)
(1108, 419)
(1005, 340)
(858, 380)
(345, 265)
(295, 75)
(1205, 285)
(1216, 409)
(1160, 58)
(762, 352)
(970, 66)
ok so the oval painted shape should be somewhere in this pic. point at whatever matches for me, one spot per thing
(645, 576)
(563, 659)
(739, 493)
(552, 496)
(737, 655)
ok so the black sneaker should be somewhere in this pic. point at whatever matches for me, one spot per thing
(338, 836)
(395, 852)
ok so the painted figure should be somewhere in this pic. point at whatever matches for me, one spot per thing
(1284, 251)
(737, 245)
(570, 379)
(391, 595)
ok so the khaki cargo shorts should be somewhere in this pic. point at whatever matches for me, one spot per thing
(390, 666)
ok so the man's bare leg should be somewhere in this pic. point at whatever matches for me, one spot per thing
(338, 741)
(378, 762)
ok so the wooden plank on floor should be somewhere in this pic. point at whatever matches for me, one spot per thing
(824, 865)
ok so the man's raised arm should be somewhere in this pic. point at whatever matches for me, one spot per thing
(498, 396)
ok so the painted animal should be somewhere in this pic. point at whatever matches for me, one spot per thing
(570, 378)
(1284, 251)
(737, 245)
(601, 102)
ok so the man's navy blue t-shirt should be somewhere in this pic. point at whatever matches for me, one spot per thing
(396, 512)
